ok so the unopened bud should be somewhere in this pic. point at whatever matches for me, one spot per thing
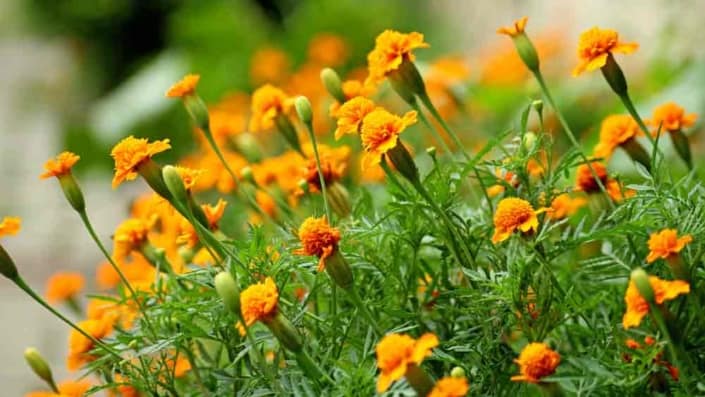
(227, 289)
(331, 81)
(303, 109)
(39, 365)
(175, 184)
(529, 140)
(73, 192)
(538, 107)
(247, 174)
(303, 185)
(198, 111)
(457, 372)
(641, 280)
(431, 150)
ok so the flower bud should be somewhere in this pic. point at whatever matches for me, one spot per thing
(527, 51)
(303, 185)
(73, 192)
(175, 184)
(198, 111)
(39, 365)
(227, 289)
(331, 81)
(529, 140)
(641, 280)
(285, 332)
(614, 76)
(303, 109)
(402, 161)
(7, 265)
(247, 175)
(457, 372)
(288, 131)
(339, 199)
(431, 150)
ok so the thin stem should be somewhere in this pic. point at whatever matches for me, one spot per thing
(392, 177)
(311, 368)
(431, 108)
(658, 318)
(355, 297)
(435, 133)
(321, 179)
(627, 101)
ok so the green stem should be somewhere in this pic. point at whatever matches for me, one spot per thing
(627, 101)
(435, 133)
(673, 349)
(429, 105)
(321, 179)
(392, 177)
(311, 368)
(355, 297)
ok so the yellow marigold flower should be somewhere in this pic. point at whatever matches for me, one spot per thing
(584, 180)
(334, 162)
(516, 29)
(617, 192)
(396, 352)
(328, 50)
(350, 115)
(450, 386)
(259, 301)
(179, 366)
(268, 102)
(666, 243)
(214, 213)
(68, 388)
(10, 225)
(595, 45)
(269, 65)
(130, 235)
(564, 206)
(61, 165)
(536, 361)
(671, 117)
(319, 239)
(391, 49)
(112, 312)
(380, 133)
(184, 87)
(64, 286)
(615, 130)
(189, 176)
(79, 345)
(638, 307)
(130, 153)
(514, 213)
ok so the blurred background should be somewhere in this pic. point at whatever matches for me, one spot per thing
(79, 75)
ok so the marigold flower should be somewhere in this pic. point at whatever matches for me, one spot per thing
(584, 179)
(68, 388)
(64, 286)
(666, 243)
(268, 102)
(214, 213)
(269, 65)
(259, 301)
(59, 166)
(179, 366)
(396, 352)
(328, 50)
(617, 192)
(351, 114)
(450, 386)
(130, 153)
(671, 117)
(189, 176)
(516, 29)
(184, 87)
(564, 206)
(391, 49)
(79, 345)
(10, 225)
(319, 239)
(536, 361)
(380, 133)
(514, 213)
(638, 307)
(595, 45)
(616, 129)
(632, 344)
(130, 235)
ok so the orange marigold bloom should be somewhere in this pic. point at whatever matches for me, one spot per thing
(189, 176)
(184, 87)
(334, 162)
(584, 179)
(396, 352)
(450, 386)
(130, 153)
(79, 345)
(319, 239)
(59, 166)
(68, 388)
(666, 243)
(671, 117)
(595, 45)
(214, 213)
(10, 225)
(617, 192)
(179, 367)
(564, 206)
(350, 115)
(269, 65)
(516, 29)
(268, 102)
(638, 307)
(391, 49)
(259, 301)
(380, 133)
(632, 344)
(129, 236)
(615, 130)
(514, 213)
(64, 286)
(536, 361)
(328, 50)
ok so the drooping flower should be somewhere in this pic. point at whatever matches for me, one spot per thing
(396, 352)
(391, 49)
(564, 206)
(259, 301)
(350, 115)
(671, 117)
(59, 166)
(516, 29)
(595, 45)
(10, 225)
(80, 346)
(183, 87)
(616, 129)
(514, 214)
(130, 153)
(584, 179)
(268, 102)
(536, 361)
(638, 307)
(665, 244)
(380, 133)
(450, 386)
(64, 286)
(319, 239)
